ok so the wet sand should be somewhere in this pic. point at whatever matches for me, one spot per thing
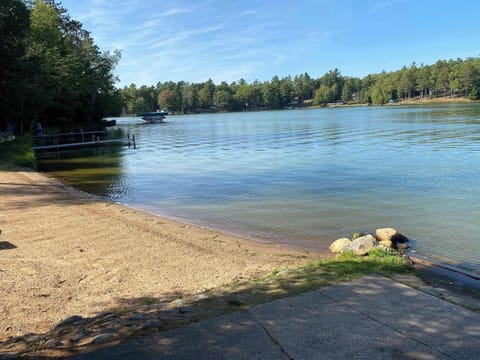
(65, 253)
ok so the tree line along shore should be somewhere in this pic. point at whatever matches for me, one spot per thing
(53, 72)
(443, 81)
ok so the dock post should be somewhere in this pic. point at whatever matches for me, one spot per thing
(134, 144)
(128, 138)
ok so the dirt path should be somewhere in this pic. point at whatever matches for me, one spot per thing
(65, 253)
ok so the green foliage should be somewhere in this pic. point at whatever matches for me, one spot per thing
(18, 152)
(14, 23)
(444, 78)
(55, 73)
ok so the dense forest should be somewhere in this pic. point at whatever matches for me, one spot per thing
(444, 79)
(51, 71)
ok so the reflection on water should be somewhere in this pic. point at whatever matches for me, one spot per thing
(305, 177)
(95, 170)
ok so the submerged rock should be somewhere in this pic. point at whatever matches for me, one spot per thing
(362, 245)
(338, 245)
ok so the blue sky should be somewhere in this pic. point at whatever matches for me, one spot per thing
(257, 39)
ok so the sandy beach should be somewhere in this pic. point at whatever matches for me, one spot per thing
(65, 253)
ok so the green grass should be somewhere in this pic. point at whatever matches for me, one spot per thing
(18, 152)
(309, 277)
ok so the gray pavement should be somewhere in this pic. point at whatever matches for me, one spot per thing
(369, 318)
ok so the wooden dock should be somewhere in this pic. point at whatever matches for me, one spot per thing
(78, 140)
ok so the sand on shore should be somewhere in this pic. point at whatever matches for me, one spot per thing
(65, 253)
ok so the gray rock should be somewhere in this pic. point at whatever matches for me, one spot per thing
(338, 245)
(362, 245)
(136, 317)
(186, 310)
(100, 339)
(177, 302)
(284, 272)
(198, 297)
(17, 339)
(104, 317)
(79, 336)
(53, 343)
(151, 324)
(8, 356)
(71, 320)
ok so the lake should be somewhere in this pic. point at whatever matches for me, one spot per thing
(304, 177)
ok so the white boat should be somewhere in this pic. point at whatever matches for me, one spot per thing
(154, 117)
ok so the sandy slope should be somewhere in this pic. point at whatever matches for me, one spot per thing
(64, 253)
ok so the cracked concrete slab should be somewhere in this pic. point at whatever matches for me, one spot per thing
(369, 318)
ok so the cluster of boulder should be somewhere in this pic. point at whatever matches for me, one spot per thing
(361, 243)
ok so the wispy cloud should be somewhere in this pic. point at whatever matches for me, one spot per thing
(225, 42)
(176, 11)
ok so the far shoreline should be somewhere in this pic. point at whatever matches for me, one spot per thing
(400, 102)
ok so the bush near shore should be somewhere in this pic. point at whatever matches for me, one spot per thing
(17, 152)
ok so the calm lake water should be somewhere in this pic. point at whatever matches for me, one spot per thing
(304, 177)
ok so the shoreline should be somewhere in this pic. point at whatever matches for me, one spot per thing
(66, 253)
(66, 264)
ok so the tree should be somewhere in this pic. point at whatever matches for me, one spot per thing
(192, 98)
(324, 94)
(207, 94)
(271, 93)
(14, 23)
(71, 80)
(423, 80)
(286, 91)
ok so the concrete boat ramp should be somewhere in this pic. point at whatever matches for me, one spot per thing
(370, 318)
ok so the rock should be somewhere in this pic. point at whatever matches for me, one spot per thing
(186, 310)
(79, 336)
(136, 317)
(284, 272)
(362, 245)
(387, 243)
(151, 324)
(385, 234)
(102, 318)
(177, 302)
(108, 331)
(201, 296)
(358, 234)
(399, 238)
(338, 245)
(35, 339)
(402, 246)
(9, 356)
(70, 320)
(17, 339)
(99, 339)
(52, 343)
